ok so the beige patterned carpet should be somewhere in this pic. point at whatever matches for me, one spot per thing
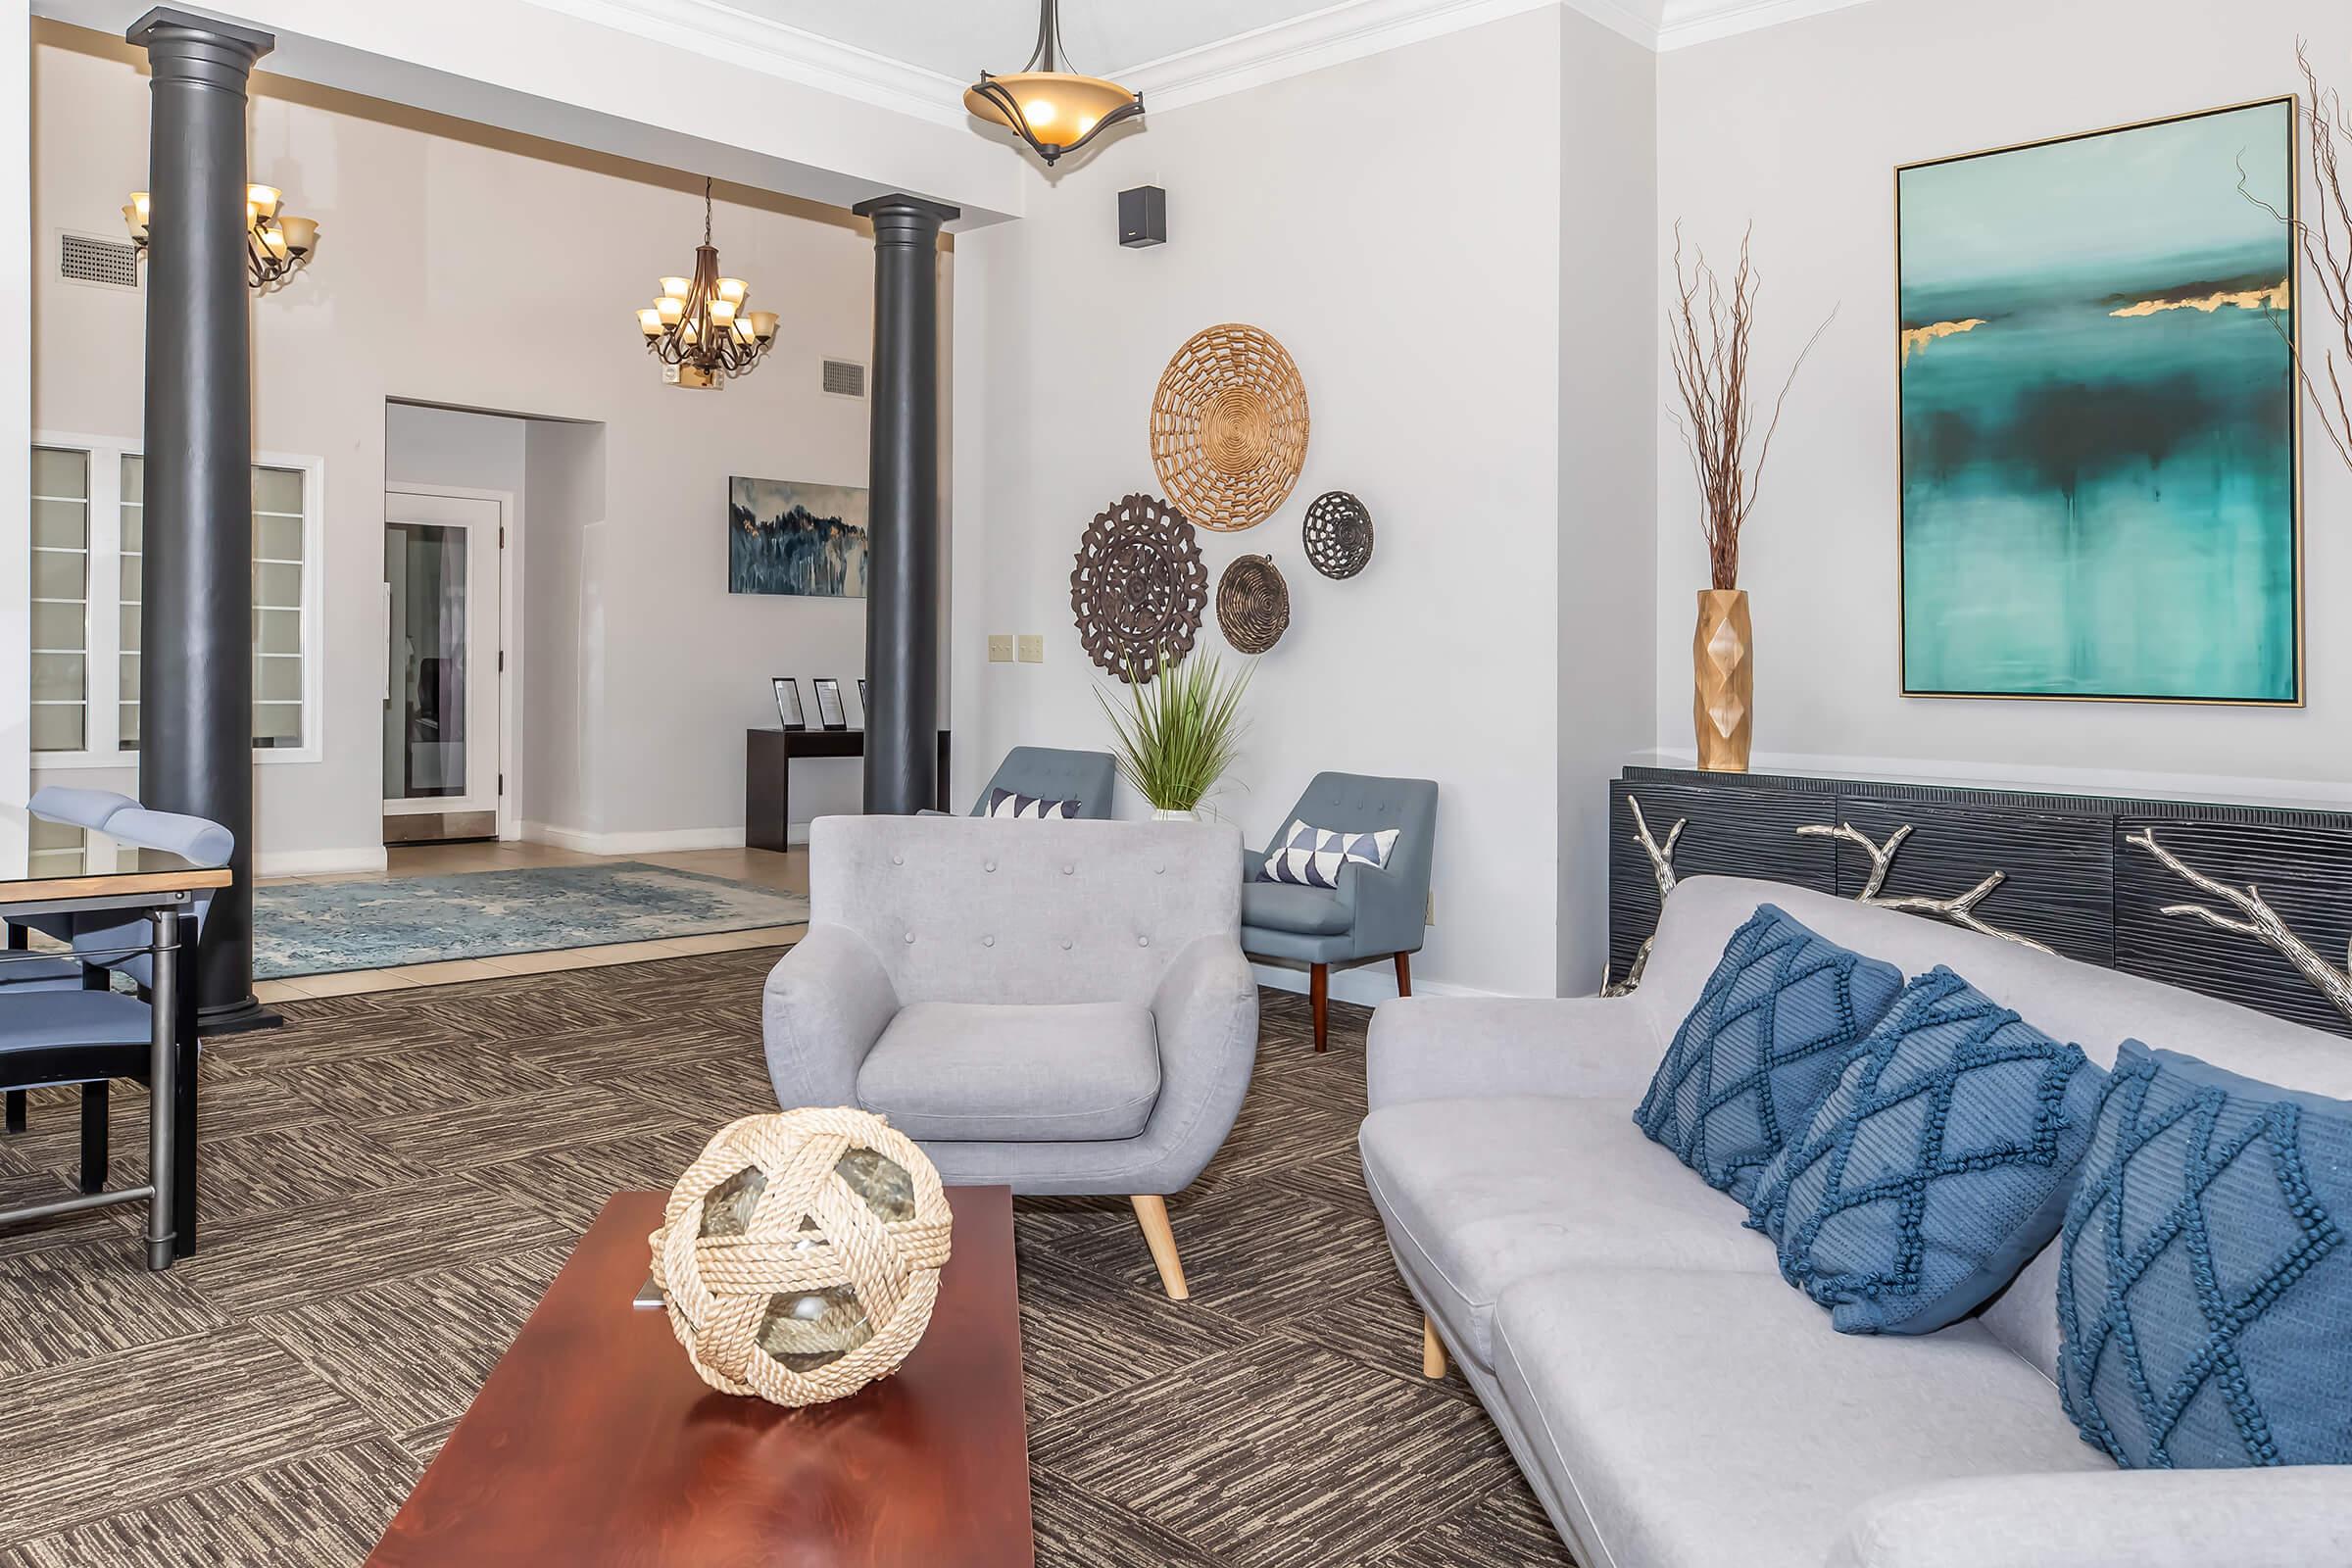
(390, 1181)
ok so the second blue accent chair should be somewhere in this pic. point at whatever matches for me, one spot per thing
(1371, 915)
(1052, 774)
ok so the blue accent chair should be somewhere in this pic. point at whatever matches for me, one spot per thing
(1371, 915)
(88, 1034)
(1051, 773)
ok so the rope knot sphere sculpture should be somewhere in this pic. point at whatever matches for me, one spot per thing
(800, 1253)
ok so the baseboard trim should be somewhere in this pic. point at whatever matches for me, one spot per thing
(317, 862)
(661, 842)
(1367, 987)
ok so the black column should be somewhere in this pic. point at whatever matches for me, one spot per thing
(903, 508)
(196, 660)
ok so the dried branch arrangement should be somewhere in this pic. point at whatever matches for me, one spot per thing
(1960, 910)
(2255, 919)
(1661, 871)
(2326, 244)
(1709, 331)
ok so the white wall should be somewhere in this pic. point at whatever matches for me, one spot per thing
(16, 429)
(1800, 128)
(1608, 386)
(471, 269)
(1411, 264)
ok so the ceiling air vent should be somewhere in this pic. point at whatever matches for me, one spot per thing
(82, 258)
(845, 378)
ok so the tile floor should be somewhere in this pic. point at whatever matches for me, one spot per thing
(761, 867)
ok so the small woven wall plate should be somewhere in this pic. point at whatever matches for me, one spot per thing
(1229, 427)
(1253, 604)
(1337, 534)
(1138, 587)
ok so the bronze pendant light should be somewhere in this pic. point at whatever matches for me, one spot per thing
(1053, 110)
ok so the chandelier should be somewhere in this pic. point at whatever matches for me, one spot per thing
(1053, 110)
(276, 243)
(699, 329)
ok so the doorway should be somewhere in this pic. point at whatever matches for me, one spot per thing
(445, 708)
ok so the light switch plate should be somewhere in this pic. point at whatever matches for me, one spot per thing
(999, 648)
(1033, 648)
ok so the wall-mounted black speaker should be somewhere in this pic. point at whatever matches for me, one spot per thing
(1144, 216)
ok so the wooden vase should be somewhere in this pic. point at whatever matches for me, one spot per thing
(1723, 680)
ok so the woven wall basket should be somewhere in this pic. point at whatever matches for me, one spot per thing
(1337, 534)
(1229, 427)
(799, 1255)
(1139, 587)
(1253, 604)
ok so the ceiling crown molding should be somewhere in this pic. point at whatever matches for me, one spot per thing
(721, 31)
(1689, 21)
(1349, 30)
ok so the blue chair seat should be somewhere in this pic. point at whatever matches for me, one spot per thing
(40, 972)
(1285, 907)
(33, 1019)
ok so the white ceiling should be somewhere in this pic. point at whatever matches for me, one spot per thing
(914, 56)
(960, 38)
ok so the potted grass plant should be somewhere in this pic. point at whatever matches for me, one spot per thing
(1176, 733)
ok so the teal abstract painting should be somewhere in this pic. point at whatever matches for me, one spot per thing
(2098, 412)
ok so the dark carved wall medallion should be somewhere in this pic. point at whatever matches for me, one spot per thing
(1139, 587)
(1338, 534)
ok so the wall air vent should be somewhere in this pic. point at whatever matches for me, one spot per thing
(86, 259)
(845, 378)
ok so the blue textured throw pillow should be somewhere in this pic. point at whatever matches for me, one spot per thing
(1761, 1048)
(2205, 1285)
(1937, 1167)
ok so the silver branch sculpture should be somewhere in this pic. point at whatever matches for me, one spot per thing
(1661, 871)
(1960, 910)
(2259, 921)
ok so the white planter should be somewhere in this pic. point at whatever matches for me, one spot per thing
(1175, 817)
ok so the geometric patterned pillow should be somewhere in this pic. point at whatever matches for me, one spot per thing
(1937, 1170)
(1311, 856)
(2205, 1282)
(1762, 1047)
(1004, 803)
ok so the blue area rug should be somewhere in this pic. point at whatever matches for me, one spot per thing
(327, 927)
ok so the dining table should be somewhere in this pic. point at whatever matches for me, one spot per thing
(137, 886)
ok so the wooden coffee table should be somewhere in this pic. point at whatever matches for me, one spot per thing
(595, 1442)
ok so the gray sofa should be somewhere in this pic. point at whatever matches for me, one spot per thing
(1058, 1006)
(1672, 1401)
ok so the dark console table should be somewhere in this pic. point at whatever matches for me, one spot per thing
(769, 755)
(2077, 873)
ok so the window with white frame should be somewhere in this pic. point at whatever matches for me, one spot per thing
(90, 538)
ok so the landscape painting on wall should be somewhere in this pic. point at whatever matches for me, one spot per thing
(2098, 412)
(789, 538)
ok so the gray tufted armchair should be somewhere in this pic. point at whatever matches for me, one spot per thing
(1059, 1006)
(1370, 915)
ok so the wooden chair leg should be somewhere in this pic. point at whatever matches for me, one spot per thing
(1318, 992)
(15, 1110)
(94, 1102)
(1152, 1213)
(1404, 974)
(1432, 1350)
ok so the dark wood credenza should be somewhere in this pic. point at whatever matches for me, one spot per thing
(768, 758)
(2073, 879)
